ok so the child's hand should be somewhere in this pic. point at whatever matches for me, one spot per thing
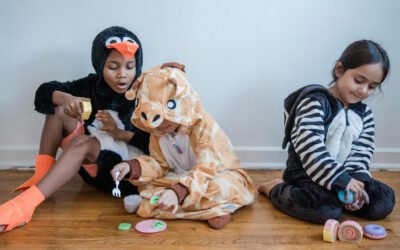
(73, 107)
(108, 122)
(123, 168)
(357, 187)
(359, 203)
(168, 198)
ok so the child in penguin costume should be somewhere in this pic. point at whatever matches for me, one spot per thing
(93, 146)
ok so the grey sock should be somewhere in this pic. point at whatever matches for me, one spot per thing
(132, 202)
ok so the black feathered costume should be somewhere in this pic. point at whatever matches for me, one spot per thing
(102, 98)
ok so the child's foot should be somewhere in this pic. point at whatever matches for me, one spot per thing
(19, 210)
(132, 203)
(266, 187)
(220, 221)
(3, 227)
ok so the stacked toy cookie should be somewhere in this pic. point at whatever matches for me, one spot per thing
(351, 231)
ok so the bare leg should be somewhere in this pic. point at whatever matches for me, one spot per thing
(55, 128)
(265, 188)
(81, 149)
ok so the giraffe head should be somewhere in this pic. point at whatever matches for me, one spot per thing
(163, 94)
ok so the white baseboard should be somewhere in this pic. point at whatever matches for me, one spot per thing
(275, 158)
(17, 156)
(252, 157)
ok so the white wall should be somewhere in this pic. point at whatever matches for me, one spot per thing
(243, 58)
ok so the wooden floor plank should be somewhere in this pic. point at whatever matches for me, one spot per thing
(78, 216)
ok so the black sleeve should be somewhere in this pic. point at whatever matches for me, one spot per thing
(81, 87)
(141, 140)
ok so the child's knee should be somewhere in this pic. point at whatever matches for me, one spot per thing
(83, 145)
(228, 184)
(59, 111)
(310, 204)
(80, 141)
(382, 202)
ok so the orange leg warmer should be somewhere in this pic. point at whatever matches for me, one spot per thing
(19, 210)
(42, 166)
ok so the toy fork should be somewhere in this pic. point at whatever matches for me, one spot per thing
(116, 192)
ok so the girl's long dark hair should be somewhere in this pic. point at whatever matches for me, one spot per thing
(360, 53)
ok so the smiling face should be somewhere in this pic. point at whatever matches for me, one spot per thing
(119, 71)
(355, 85)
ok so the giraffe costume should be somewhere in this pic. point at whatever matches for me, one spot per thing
(198, 155)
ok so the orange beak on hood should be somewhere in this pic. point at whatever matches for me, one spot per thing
(127, 49)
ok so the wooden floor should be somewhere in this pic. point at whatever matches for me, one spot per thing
(78, 217)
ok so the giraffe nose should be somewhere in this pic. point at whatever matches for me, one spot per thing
(156, 118)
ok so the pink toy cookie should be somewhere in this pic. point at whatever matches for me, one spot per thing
(374, 231)
(350, 231)
(151, 226)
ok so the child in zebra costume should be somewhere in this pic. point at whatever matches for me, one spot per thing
(330, 133)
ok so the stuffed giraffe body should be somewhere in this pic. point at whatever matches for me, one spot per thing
(198, 155)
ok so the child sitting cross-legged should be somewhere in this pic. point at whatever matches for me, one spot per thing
(192, 165)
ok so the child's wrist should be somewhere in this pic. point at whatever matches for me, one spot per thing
(116, 134)
(180, 191)
(135, 171)
(122, 135)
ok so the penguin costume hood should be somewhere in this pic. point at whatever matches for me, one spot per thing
(94, 86)
(126, 43)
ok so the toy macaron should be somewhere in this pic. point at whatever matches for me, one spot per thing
(124, 226)
(154, 199)
(374, 231)
(342, 196)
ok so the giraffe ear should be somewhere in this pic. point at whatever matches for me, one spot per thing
(131, 93)
(177, 78)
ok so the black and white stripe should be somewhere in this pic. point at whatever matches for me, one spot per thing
(363, 148)
(308, 137)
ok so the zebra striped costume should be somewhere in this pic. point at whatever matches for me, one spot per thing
(333, 143)
(328, 145)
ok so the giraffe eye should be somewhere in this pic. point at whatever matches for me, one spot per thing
(171, 104)
(113, 39)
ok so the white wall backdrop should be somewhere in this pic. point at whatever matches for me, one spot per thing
(243, 57)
